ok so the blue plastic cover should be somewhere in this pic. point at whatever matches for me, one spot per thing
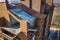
(23, 14)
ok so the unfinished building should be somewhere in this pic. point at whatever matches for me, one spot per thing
(27, 20)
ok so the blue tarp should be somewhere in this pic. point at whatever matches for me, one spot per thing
(23, 14)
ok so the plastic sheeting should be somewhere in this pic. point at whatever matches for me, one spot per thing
(14, 1)
(22, 14)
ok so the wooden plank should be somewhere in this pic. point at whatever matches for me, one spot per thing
(37, 35)
(24, 29)
(12, 30)
(36, 5)
(1, 21)
(42, 27)
(25, 2)
(43, 5)
(49, 5)
(4, 13)
(40, 33)
(6, 36)
(22, 36)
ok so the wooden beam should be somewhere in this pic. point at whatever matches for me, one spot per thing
(6, 36)
(4, 12)
(49, 6)
(24, 27)
(43, 5)
(1, 21)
